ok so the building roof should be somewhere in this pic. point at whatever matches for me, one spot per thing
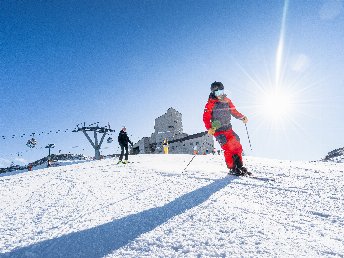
(171, 109)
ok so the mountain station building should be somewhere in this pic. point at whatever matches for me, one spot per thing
(170, 126)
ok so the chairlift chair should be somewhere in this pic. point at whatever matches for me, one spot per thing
(32, 142)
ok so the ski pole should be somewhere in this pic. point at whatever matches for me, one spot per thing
(194, 154)
(248, 137)
(189, 163)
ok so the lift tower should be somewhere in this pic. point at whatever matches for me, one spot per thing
(95, 129)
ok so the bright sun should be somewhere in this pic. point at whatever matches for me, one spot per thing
(277, 104)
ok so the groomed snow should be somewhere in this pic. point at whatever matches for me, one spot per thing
(151, 208)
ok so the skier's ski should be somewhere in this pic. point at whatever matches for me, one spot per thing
(126, 163)
(265, 179)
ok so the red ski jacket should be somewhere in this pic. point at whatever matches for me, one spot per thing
(221, 112)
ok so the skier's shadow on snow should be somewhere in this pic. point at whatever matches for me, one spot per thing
(106, 238)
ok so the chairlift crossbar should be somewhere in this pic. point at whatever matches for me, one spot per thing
(94, 128)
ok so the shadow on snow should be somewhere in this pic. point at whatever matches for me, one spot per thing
(104, 239)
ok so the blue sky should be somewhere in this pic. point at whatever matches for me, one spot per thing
(127, 62)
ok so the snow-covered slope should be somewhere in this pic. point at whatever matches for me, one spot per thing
(151, 208)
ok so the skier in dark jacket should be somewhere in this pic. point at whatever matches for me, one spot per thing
(123, 141)
(217, 119)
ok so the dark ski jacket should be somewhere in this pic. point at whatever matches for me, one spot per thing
(123, 138)
(219, 112)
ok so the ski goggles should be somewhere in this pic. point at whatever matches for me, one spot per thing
(219, 93)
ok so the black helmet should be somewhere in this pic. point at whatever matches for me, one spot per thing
(216, 86)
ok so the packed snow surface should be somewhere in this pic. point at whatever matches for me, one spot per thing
(153, 208)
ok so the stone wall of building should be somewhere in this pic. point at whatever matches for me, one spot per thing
(169, 126)
(142, 146)
(203, 141)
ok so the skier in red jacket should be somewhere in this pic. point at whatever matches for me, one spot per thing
(217, 119)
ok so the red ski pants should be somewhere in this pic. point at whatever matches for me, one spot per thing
(230, 143)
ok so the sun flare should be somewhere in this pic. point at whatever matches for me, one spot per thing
(277, 104)
(280, 92)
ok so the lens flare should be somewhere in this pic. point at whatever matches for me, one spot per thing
(282, 93)
(280, 48)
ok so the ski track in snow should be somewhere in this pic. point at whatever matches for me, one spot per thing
(152, 208)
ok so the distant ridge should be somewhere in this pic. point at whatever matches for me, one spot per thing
(336, 155)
